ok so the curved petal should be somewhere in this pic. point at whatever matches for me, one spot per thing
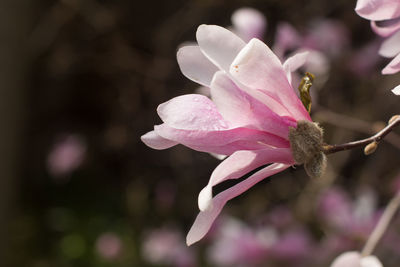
(393, 66)
(256, 66)
(239, 164)
(391, 46)
(206, 218)
(386, 28)
(153, 140)
(243, 110)
(378, 9)
(218, 44)
(230, 148)
(191, 112)
(293, 63)
(249, 23)
(207, 140)
(195, 66)
(370, 261)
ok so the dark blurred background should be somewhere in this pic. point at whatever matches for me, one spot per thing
(80, 83)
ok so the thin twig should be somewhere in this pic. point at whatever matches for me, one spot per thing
(353, 124)
(329, 149)
(382, 225)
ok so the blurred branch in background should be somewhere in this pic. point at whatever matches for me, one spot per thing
(15, 21)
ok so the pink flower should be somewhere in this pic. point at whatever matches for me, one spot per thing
(248, 117)
(165, 246)
(108, 246)
(249, 23)
(385, 21)
(66, 155)
(354, 259)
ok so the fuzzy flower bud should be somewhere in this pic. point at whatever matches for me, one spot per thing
(306, 142)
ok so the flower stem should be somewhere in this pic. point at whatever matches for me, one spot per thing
(329, 149)
(382, 225)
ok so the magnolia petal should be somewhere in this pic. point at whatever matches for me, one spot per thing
(293, 63)
(239, 164)
(205, 139)
(218, 44)
(191, 112)
(256, 66)
(370, 261)
(378, 9)
(229, 149)
(393, 66)
(249, 23)
(155, 141)
(390, 47)
(354, 258)
(347, 259)
(195, 66)
(206, 218)
(386, 28)
(396, 90)
(243, 110)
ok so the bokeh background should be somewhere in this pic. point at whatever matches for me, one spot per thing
(80, 82)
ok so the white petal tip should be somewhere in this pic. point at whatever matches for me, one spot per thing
(205, 199)
(189, 242)
(396, 90)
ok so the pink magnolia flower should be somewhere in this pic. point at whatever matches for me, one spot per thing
(248, 23)
(248, 117)
(385, 21)
(355, 259)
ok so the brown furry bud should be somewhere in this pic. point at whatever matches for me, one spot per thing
(316, 167)
(306, 142)
(370, 148)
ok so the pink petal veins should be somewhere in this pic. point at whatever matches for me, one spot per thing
(256, 66)
(249, 138)
(206, 218)
(243, 110)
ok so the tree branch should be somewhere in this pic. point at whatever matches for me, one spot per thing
(329, 149)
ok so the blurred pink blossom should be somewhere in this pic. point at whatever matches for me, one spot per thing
(108, 246)
(365, 59)
(248, 119)
(236, 244)
(323, 40)
(66, 155)
(355, 217)
(166, 246)
(248, 23)
(385, 21)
